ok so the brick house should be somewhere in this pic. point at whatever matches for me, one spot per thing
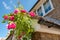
(48, 12)
(48, 17)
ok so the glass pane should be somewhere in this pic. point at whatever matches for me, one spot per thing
(40, 13)
(47, 6)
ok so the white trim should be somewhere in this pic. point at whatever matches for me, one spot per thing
(51, 4)
(43, 10)
(36, 12)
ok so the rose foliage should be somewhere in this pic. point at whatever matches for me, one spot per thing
(20, 21)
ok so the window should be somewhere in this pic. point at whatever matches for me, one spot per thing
(45, 8)
(40, 13)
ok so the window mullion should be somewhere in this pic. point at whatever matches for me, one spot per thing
(43, 10)
(51, 4)
(36, 12)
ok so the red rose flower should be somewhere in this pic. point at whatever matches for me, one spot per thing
(23, 11)
(5, 17)
(16, 11)
(8, 26)
(32, 14)
(11, 18)
(11, 26)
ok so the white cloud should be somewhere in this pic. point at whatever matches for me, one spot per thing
(5, 5)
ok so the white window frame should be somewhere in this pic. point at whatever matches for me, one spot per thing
(43, 10)
(51, 7)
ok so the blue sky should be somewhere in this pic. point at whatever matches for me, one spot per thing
(7, 6)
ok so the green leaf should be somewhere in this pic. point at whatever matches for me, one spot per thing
(11, 32)
(24, 38)
(3, 21)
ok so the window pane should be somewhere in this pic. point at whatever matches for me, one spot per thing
(47, 6)
(40, 13)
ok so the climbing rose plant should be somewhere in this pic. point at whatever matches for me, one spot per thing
(20, 21)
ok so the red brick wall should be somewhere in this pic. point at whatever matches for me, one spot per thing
(45, 36)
